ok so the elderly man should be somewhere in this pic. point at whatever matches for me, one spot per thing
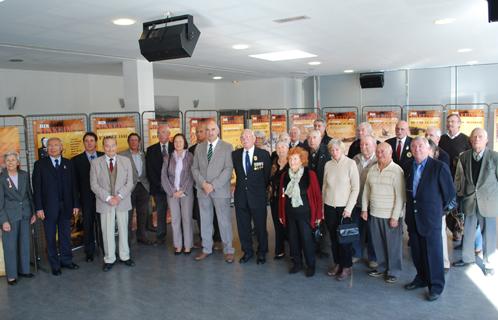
(318, 154)
(429, 192)
(454, 143)
(364, 129)
(111, 179)
(295, 135)
(401, 144)
(384, 197)
(364, 161)
(476, 181)
(56, 199)
(320, 125)
(434, 134)
(154, 165)
(140, 193)
(212, 171)
(252, 167)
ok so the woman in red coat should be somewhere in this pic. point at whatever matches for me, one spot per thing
(300, 209)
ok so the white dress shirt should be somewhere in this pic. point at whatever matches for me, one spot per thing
(251, 155)
(214, 143)
(58, 159)
(137, 159)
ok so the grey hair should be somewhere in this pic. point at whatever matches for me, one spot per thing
(437, 130)
(367, 126)
(336, 143)
(313, 131)
(54, 139)
(282, 143)
(248, 131)
(422, 139)
(475, 130)
(12, 153)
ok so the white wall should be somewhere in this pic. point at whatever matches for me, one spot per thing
(187, 91)
(260, 94)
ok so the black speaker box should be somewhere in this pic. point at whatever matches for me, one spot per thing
(160, 41)
(492, 10)
(372, 80)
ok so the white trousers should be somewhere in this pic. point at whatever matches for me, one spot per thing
(108, 224)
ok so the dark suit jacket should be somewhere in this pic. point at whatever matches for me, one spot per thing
(435, 190)
(251, 189)
(81, 166)
(301, 144)
(405, 155)
(45, 188)
(154, 165)
(323, 156)
(444, 157)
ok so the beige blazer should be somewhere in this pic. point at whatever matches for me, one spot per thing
(484, 194)
(100, 182)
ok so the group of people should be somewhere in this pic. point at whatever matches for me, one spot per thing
(308, 185)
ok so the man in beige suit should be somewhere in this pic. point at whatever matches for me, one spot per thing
(140, 193)
(212, 171)
(111, 179)
(476, 181)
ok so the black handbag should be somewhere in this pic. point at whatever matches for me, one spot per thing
(348, 232)
(318, 232)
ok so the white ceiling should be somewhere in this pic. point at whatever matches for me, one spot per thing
(363, 35)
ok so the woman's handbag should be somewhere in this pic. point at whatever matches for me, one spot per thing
(348, 232)
(318, 231)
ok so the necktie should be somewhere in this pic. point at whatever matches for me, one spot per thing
(398, 150)
(248, 163)
(477, 156)
(111, 165)
(163, 150)
(210, 152)
(416, 178)
(56, 163)
(92, 157)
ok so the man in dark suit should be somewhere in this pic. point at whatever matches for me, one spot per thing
(401, 144)
(81, 164)
(318, 154)
(154, 165)
(295, 135)
(56, 198)
(252, 167)
(364, 130)
(429, 191)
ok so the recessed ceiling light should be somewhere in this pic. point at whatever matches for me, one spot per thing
(240, 46)
(217, 78)
(472, 62)
(124, 22)
(444, 21)
(14, 60)
(463, 50)
(283, 55)
(348, 71)
(314, 63)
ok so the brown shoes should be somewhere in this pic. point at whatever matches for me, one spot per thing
(202, 256)
(333, 271)
(346, 272)
(229, 258)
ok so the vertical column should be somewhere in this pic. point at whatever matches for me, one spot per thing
(138, 77)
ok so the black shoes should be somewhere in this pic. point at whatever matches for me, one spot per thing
(56, 272)
(261, 259)
(107, 266)
(432, 296)
(26, 275)
(414, 285)
(89, 258)
(295, 269)
(71, 266)
(12, 282)
(129, 262)
(461, 263)
(310, 272)
(245, 258)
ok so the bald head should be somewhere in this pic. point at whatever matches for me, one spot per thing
(212, 130)
(401, 129)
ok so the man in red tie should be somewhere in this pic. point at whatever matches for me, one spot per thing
(401, 144)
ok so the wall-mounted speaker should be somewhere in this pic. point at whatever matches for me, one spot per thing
(372, 80)
(168, 39)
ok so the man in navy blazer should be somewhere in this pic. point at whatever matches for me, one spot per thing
(56, 199)
(429, 191)
(252, 167)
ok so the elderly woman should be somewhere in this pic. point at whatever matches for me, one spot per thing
(279, 166)
(16, 215)
(177, 182)
(384, 197)
(300, 208)
(341, 186)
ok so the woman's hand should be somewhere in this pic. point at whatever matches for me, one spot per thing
(40, 214)
(33, 219)
(364, 215)
(346, 214)
(6, 226)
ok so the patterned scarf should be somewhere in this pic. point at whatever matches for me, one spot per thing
(293, 191)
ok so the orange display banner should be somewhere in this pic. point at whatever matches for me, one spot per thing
(9, 141)
(495, 147)
(118, 127)
(174, 128)
(261, 127)
(231, 130)
(304, 121)
(420, 120)
(471, 119)
(194, 122)
(70, 131)
(342, 125)
(383, 123)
